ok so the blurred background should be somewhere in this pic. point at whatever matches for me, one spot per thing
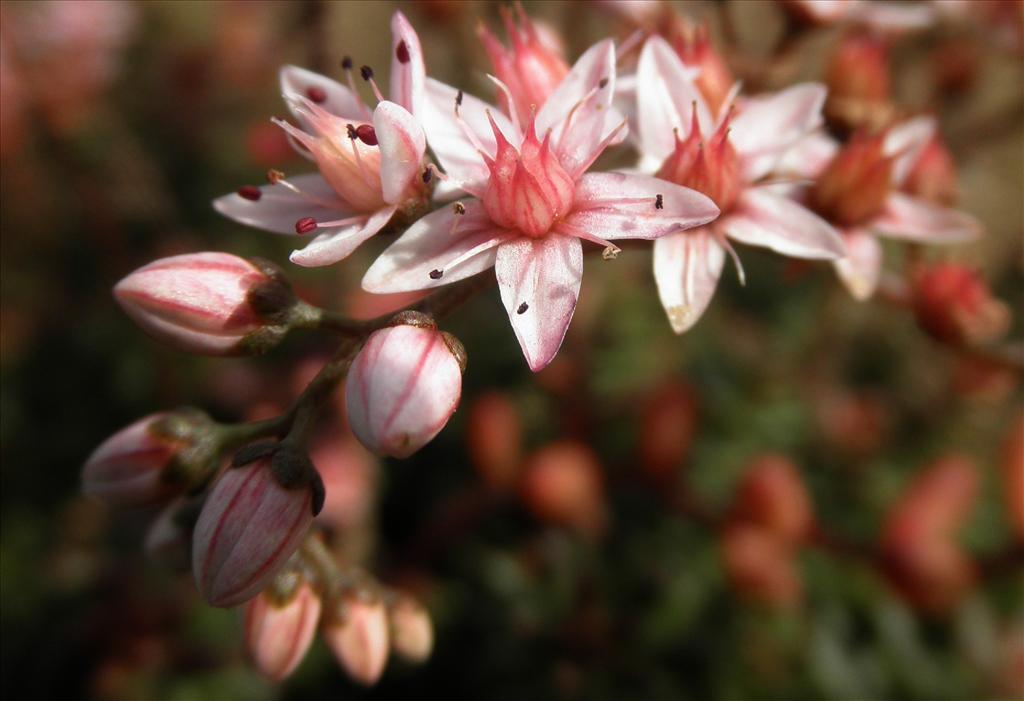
(730, 514)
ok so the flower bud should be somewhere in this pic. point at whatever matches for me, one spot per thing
(138, 465)
(760, 567)
(280, 629)
(208, 303)
(404, 385)
(494, 435)
(693, 45)
(412, 633)
(935, 504)
(933, 175)
(562, 485)
(858, 78)
(772, 495)
(932, 575)
(954, 305)
(667, 425)
(250, 525)
(359, 637)
(1011, 465)
(169, 538)
(854, 186)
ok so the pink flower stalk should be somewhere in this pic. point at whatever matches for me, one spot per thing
(724, 159)
(359, 639)
(209, 303)
(247, 530)
(404, 385)
(859, 191)
(132, 467)
(530, 68)
(533, 202)
(370, 163)
(278, 633)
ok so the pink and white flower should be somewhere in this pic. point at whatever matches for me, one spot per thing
(724, 158)
(532, 202)
(859, 191)
(370, 162)
(891, 17)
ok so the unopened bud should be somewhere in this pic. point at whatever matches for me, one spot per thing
(209, 303)
(667, 425)
(932, 575)
(279, 630)
(858, 78)
(139, 464)
(494, 437)
(772, 495)
(855, 184)
(1011, 465)
(404, 385)
(562, 485)
(169, 538)
(358, 637)
(692, 43)
(933, 176)
(249, 526)
(760, 567)
(412, 633)
(936, 502)
(953, 304)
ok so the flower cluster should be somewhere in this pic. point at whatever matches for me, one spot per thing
(466, 186)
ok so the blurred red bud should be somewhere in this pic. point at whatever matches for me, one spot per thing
(494, 436)
(856, 423)
(1011, 465)
(954, 305)
(772, 495)
(249, 526)
(933, 175)
(760, 567)
(279, 632)
(404, 385)
(209, 303)
(955, 65)
(855, 184)
(359, 637)
(349, 474)
(932, 575)
(562, 484)
(692, 43)
(412, 633)
(668, 422)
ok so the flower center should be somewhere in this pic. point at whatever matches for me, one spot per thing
(854, 186)
(528, 190)
(710, 167)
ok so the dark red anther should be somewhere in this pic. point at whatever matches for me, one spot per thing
(602, 83)
(522, 308)
(366, 72)
(436, 274)
(346, 63)
(402, 52)
(351, 132)
(659, 202)
(305, 225)
(366, 134)
(250, 192)
(458, 99)
(316, 94)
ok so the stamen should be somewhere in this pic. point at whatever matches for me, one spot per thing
(610, 249)
(353, 135)
(367, 73)
(276, 177)
(611, 252)
(522, 308)
(367, 134)
(346, 64)
(631, 42)
(341, 222)
(659, 202)
(436, 274)
(466, 131)
(513, 112)
(600, 147)
(305, 225)
(316, 94)
(402, 52)
(724, 243)
(250, 192)
(459, 208)
(572, 112)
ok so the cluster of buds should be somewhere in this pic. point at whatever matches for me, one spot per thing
(360, 620)
(771, 518)
(921, 557)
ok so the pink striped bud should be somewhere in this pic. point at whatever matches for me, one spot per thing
(404, 385)
(254, 519)
(279, 627)
(139, 464)
(359, 637)
(209, 303)
(412, 633)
